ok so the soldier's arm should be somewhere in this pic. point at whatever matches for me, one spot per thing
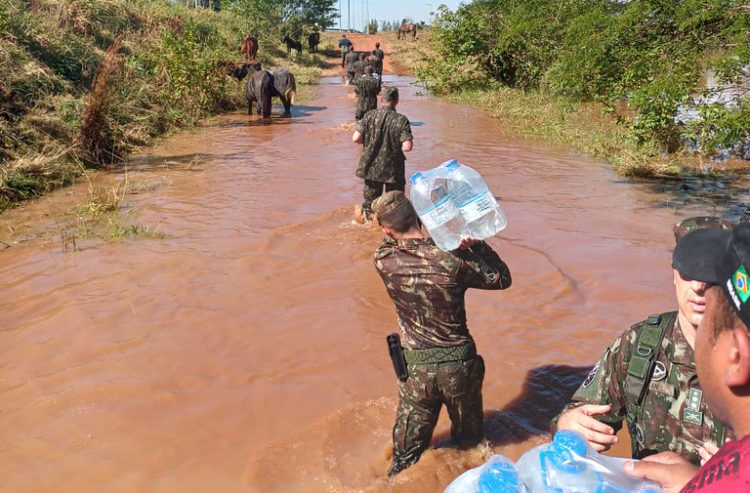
(406, 138)
(602, 387)
(482, 268)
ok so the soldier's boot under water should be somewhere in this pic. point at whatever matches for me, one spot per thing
(400, 464)
(362, 215)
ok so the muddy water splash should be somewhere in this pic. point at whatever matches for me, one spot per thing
(246, 350)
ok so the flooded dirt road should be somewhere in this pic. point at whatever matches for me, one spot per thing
(245, 350)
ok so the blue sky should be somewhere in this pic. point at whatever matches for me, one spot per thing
(391, 10)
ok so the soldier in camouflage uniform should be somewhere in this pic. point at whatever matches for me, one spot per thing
(351, 58)
(359, 67)
(427, 287)
(380, 56)
(647, 376)
(386, 135)
(367, 89)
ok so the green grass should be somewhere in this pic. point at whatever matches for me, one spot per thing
(68, 104)
(583, 126)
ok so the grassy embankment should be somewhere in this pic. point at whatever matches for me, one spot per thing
(83, 83)
(585, 126)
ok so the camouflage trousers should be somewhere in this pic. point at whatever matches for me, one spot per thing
(458, 385)
(374, 189)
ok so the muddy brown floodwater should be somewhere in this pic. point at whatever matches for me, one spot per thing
(245, 350)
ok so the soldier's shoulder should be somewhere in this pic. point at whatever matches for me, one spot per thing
(385, 249)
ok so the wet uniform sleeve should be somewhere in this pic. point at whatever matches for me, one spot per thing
(605, 385)
(482, 268)
(360, 126)
(405, 131)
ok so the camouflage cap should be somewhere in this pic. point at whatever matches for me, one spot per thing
(390, 93)
(700, 222)
(388, 202)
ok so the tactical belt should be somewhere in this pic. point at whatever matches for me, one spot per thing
(436, 355)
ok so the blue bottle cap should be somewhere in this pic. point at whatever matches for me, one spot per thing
(416, 176)
(499, 477)
(570, 441)
(450, 164)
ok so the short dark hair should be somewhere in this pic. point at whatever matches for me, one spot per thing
(724, 317)
(400, 219)
(377, 45)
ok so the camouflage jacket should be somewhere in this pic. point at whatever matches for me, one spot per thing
(383, 130)
(427, 286)
(367, 88)
(351, 58)
(672, 415)
(359, 67)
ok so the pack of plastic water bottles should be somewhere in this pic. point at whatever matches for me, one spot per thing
(566, 465)
(453, 202)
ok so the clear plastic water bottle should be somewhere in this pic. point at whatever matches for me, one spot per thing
(497, 475)
(570, 465)
(479, 207)
(437, 210)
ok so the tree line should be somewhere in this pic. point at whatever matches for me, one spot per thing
(643, 60)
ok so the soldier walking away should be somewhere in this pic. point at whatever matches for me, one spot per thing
(427, 286)
(380, 54)
(367, 88)
(351, 58)
(385, 135)
(359, 66)
(345, 46)
(647, 376)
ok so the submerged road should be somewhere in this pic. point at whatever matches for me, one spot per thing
(245, 350)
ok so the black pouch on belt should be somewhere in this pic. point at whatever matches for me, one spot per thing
(397, 356)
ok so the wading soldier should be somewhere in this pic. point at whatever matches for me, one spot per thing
(367, 88)
(380, 56)
(647, 376)
(359, 66)
(427, 287)
(345, 46)
(386, 135)
(351, 58)
(722, 355)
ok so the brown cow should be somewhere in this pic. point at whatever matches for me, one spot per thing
(249, 47)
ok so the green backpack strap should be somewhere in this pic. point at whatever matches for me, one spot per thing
(641, 364)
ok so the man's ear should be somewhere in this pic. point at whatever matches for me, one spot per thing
(738, 366)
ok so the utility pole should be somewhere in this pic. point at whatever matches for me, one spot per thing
(349, 15)
(339, 15)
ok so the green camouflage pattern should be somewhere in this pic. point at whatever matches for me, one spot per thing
(427, 287)
(367, 88)
(701, 222)
(673, 416)
(350, 58)
(359, 68)
(458, 385)
(383, 130)
(374, 189)
(387, 202)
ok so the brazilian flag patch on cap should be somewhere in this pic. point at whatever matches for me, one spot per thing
(739, 279)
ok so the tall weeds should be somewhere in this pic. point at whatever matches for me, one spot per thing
(92, 138)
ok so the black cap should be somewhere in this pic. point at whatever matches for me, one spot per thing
(722, 257)
(691, 261)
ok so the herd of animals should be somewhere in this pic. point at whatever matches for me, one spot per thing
(263, 85)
